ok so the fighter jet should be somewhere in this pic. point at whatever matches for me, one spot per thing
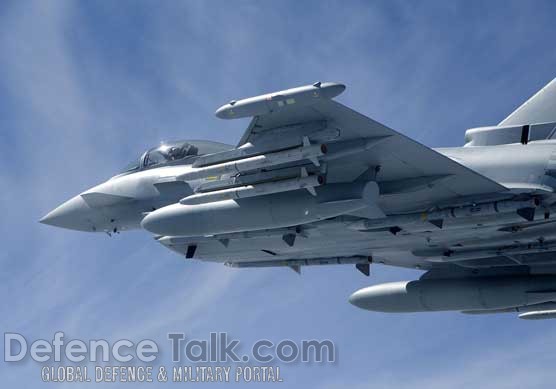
(312, 182)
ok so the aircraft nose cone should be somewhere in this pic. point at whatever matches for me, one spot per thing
(72, 215)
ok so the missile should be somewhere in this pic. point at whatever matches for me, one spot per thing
(461, 256)
(282, 138)
(538, 315)
(250, 179)
(525, 209)
(303, 182)
(352, 260)
(481, 293)
(486, 209)
(225, 238)
(529, 312)
(273, 102)
(277, 210)
(307, 151)
(334, 150)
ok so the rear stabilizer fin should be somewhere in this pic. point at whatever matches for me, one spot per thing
(540, 108)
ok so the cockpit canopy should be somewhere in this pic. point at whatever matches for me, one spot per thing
(170, 153)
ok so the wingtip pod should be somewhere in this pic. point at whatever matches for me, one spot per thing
(271, 102)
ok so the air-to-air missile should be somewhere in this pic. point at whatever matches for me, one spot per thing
(305, 152)
(360, 261)
(524, 209)
(529, 312)
(305, 181)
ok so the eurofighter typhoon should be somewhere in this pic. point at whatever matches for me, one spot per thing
(312, 182)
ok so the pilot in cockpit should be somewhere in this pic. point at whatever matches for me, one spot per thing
(170, 152)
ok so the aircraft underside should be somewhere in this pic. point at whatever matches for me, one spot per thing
(312, 182)
(505, 240)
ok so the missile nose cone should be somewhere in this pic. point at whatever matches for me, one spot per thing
(71, 215)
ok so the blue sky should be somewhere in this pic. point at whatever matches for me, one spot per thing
(86, 86)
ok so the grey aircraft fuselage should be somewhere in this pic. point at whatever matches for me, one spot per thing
(313, 182)
(512, 165)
